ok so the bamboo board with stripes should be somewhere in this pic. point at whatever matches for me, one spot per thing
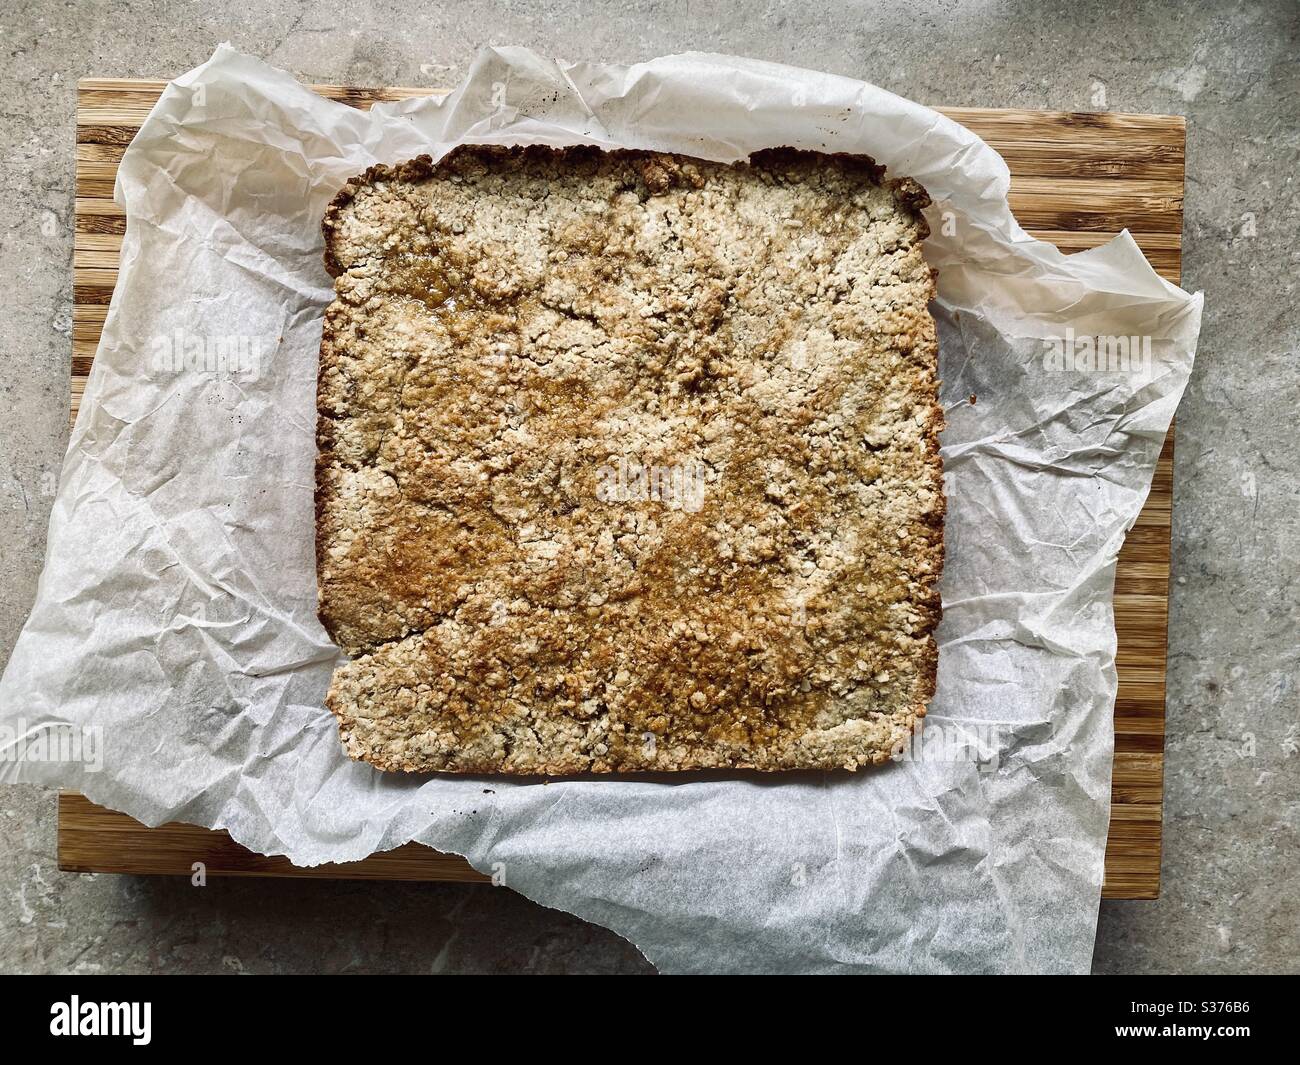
(1077, 179)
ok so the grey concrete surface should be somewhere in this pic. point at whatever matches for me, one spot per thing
(1231, 900)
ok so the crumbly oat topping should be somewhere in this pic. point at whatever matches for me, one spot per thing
(628, 462)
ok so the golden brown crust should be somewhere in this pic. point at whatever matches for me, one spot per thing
(628, 461)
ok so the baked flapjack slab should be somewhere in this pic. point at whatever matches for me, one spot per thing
(628, 461)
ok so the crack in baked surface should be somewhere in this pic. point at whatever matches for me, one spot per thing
(628, 461)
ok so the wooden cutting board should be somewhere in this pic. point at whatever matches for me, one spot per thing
(1077, 179)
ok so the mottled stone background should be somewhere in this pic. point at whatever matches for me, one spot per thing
(1231, 900)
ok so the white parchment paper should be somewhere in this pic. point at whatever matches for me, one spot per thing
(175, 638)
